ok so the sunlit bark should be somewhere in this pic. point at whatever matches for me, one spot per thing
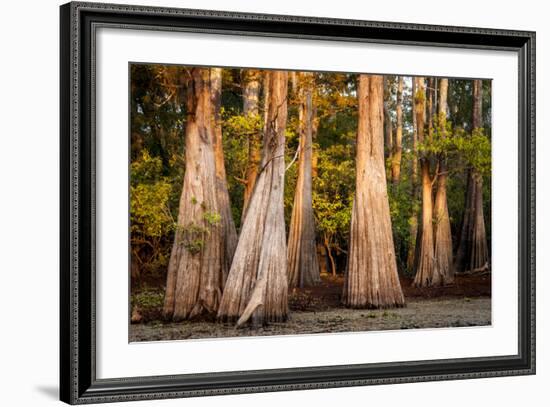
(257, 285)
(195, 270)
(371, 277)
(303, 265)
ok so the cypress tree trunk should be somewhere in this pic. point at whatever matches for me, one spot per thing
(473, 252)
(257, 284)
(303, 265)
(427, 273)
(479, 255)
(229, 233)
(397, 147)
(413, 220)
(251, 96)
(442, 227)
(371, 278)
(388, 127)
(465, 241)
(194, 279)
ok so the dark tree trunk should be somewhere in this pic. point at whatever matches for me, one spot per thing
(229, 233)
(194, 279)
(371, 277)
(303, 265)
(473, 252)
(257, 285)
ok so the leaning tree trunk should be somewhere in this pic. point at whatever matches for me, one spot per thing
(397, 146)
(257, 284)
(371, 276)
(443, 250)
(194, 279)
(303, 265)
(473, 252)
(427, 273)
(251, 95)
(229, 233)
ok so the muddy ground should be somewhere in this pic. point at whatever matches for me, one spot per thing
(319, 310)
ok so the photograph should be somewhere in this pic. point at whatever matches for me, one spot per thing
(270, 199)
(278, 202)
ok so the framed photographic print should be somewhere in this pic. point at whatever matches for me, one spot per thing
(256, 203)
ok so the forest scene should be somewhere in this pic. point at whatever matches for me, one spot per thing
(270, 202)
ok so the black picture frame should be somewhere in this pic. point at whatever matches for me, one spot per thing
(78, 382)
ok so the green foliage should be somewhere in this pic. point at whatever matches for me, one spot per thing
(148, 299)
(151, 222)
(241, 126)
(149, 194)
(193, 237)
(469, 150)
(212, 218)
(401, 208)
(148, 302)
(238, 132)
(333, 191)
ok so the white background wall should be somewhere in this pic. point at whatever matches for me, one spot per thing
(29, 232)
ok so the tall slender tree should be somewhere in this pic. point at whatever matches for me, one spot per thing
(413, 219)
(427, 272)
(443, 251)
(398, 144)
(303, 265)
(371, 276)
(251, 79)
(229, 233)
(257, 285)
(388, 123)
(195, 269)
(473, 253)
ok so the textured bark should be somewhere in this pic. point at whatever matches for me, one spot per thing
(229, 233)
(413, 220)
(397, 146)
(257, 285)
(443, 250)
(251, 96)
(303, 265)
(427, 273)
(371, 276)
(473, 252)
(194, 278)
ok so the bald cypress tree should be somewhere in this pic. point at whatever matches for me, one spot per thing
(371, 278)
(195, 269)
(443, 251)
(257, 286)
(303, 266)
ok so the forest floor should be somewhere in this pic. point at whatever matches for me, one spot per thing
(319, 310)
